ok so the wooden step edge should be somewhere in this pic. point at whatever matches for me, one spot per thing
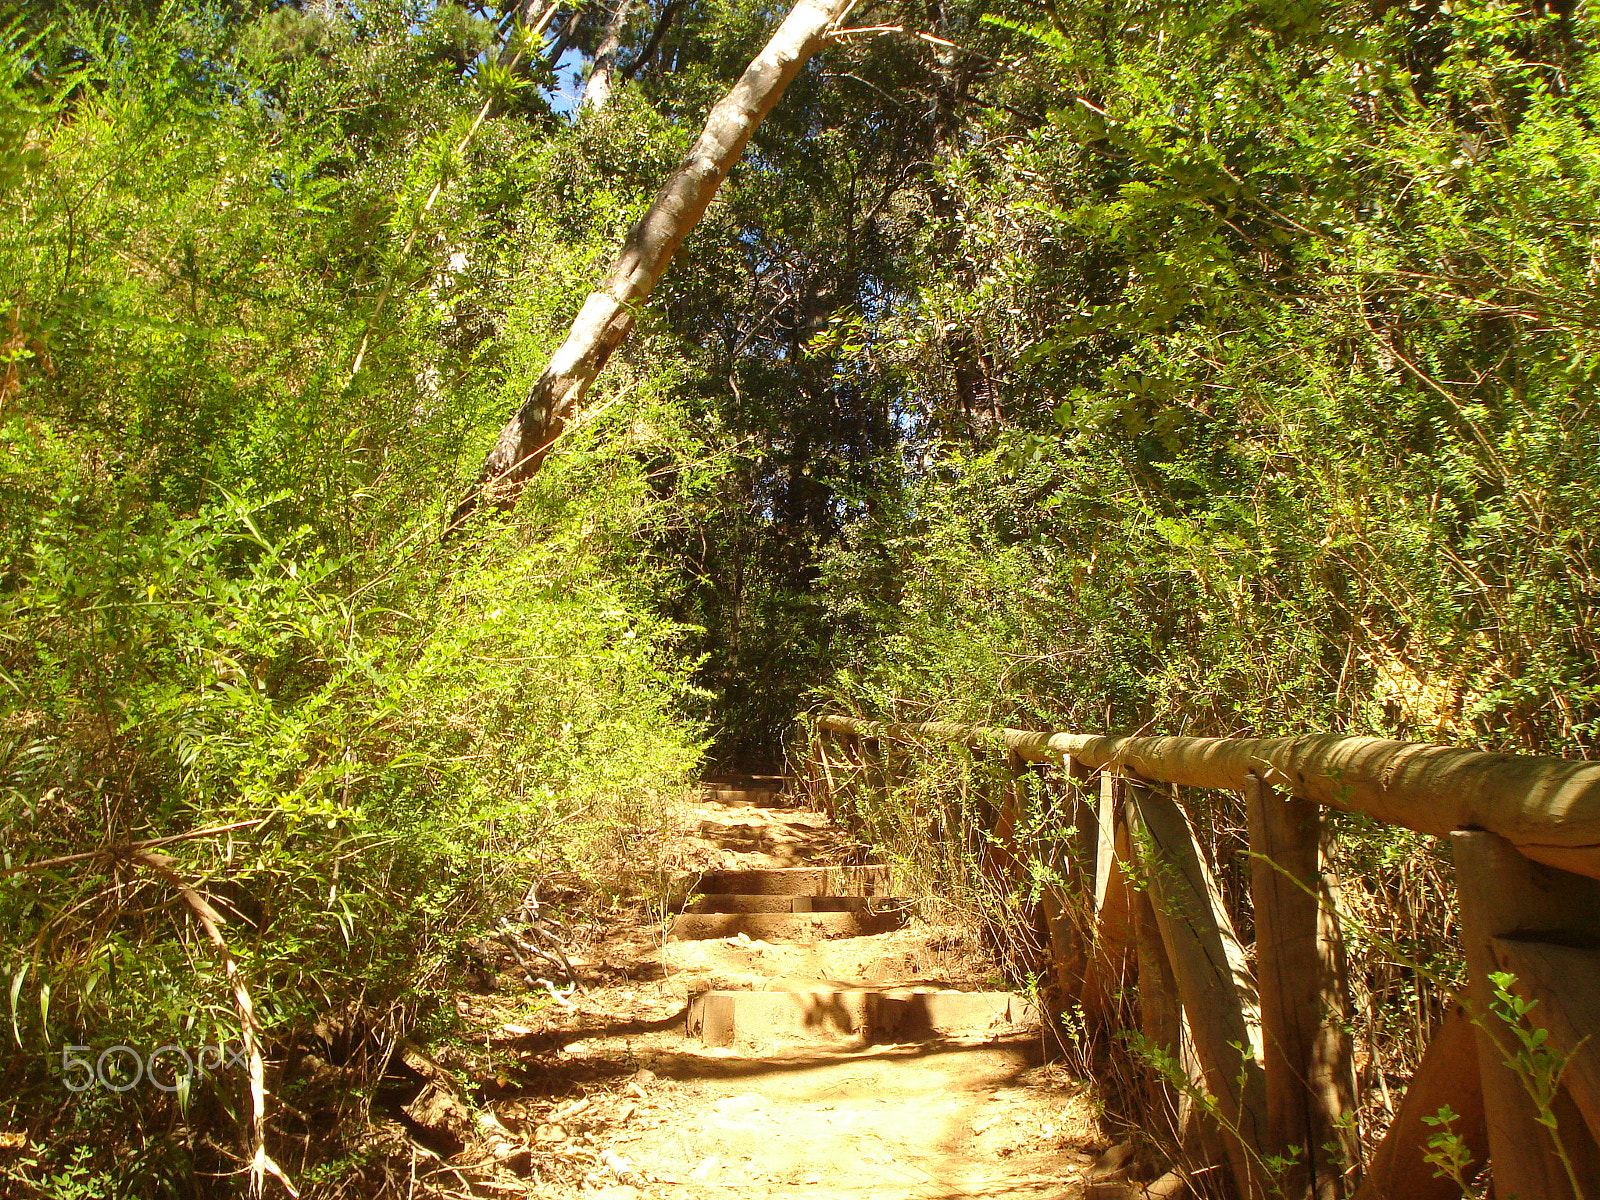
(727, 902)
(821, 880)
(785, 927)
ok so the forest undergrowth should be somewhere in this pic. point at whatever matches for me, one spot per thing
(236, 661)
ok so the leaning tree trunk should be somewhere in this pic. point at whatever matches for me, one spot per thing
(607, 315)
(597, 92)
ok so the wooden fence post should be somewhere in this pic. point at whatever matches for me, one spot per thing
(1160, 1019)
(874, 775)
(816, 784)
(1086, 821)
(824, 758)
(1000, 859)
(1306, 1055)
(1447, 1075)
(1504, 895)
(1111, 946)
(1064, 902)
(1565, 983)
(858, 759)
(1219, 994)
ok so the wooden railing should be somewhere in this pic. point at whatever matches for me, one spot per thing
(1252, 1050)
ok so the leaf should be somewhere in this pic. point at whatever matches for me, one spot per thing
(17, 977)
(1038, 33)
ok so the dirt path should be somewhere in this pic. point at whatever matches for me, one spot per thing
(604, 1095)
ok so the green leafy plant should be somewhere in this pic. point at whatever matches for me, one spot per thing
(1537, 1067)
(1447, 1153)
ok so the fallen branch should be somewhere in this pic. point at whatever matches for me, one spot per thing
(261, 1163)
(127, 849)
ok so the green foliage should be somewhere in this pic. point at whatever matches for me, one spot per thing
(1447, 1151)
(225, 615)
(1199, 368)
(285, 34)
(1288, 308)
(1283, 313)
(1537, 1067)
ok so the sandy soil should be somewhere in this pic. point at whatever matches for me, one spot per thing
(601, 1094)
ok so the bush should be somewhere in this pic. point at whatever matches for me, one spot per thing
(229, 633)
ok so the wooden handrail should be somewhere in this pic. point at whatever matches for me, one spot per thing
(1548, 808)
(1140, 933)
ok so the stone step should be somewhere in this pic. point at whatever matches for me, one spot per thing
(775, 904)
(796, 881)
(783, 849)
(784, 927)
(835, 1014)
(735, 780)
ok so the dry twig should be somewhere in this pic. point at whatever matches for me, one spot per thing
(261, 1163)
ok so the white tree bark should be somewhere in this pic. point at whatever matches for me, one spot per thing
(602, 76)
(607, 315)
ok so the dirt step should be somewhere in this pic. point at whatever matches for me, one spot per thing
(747, 797)
(733, 780)
(772, 838)
(794, 823)
(862, 1016)
(785, 927)
(796, 881)
(776, 904)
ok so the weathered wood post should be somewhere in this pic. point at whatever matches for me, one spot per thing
(873, 775)
(812, 768)
(1447, 1075)
(1160, 1020)
(859, 761)
(1306, 1054)
(1111, 962)
(1000, 859)
(1505, 895)
(1213, 978)
(1065, 901)
(1565, 982)
(824, 757)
